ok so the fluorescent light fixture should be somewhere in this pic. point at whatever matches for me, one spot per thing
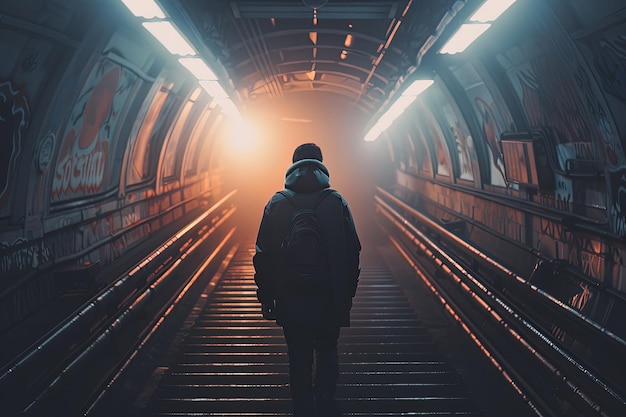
(373, 134)
(396, 109)
(198, 68)
(417, 87)
(214, 89)
(491, 10)
(147, 9)
(170, 37)
(407, 97)
(463, 37)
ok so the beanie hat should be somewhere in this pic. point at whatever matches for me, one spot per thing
(307, 151)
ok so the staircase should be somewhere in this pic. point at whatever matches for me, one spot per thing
(229, 361)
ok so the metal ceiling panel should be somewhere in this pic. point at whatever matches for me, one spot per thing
(356, 50)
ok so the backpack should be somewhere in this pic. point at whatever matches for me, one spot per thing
(304, 252)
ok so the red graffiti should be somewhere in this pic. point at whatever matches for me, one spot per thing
(84, 150)
(81, 172)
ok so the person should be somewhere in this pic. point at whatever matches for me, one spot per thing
(311, 317)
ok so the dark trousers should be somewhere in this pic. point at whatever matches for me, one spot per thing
(313, 370)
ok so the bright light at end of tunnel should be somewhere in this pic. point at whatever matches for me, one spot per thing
(408, 96)
(242, 137)
(491, 10)
(148, 9)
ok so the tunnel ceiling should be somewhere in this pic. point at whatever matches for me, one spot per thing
(354, 51)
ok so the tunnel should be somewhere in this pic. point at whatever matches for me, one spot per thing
(478, 144)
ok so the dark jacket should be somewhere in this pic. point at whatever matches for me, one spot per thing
(305, 180)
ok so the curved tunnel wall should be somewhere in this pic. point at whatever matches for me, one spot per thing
(105, 142)
(518, 146)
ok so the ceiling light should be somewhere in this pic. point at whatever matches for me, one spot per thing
(491, 10)
(198, 68)
(168, 35)
(214, 89)
(147, 9)
(409, 95)
(373, 134)
(396, 109)
(463, 37)
(348, 41)
(417, 87)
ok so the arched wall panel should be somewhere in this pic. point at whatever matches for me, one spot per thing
(529, 74)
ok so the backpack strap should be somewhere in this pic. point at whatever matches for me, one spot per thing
(297, 205)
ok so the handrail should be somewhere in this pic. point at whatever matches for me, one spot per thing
(77, 255)
(125, 295)
(127, 315)
(442, 231)
(160, 320)
(489, 300)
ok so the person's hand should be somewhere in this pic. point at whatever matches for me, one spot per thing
(268, 311)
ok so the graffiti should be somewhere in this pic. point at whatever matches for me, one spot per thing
(111, 251)
(555, 230)
(617, 181)
(574, 150)
(610, 61)
(580, 300)
(599, 115)
(464, 146)
(25, 258)
(583, 116)
(611, 66)
(81, 168)
(14, 119)
(82, 171)
(550, 100)
(563, 194)
(492, 134)
(434, 135)
(461, 136)
(130, 219)
(591, 264)
(85, 147)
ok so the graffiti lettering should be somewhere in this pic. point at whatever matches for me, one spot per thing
(580, 300)
(583, 150)
(130, 218)
(14, 120)
(80, 173)
(28, 257)
(591, 264)
(555, 230)
(617, 180)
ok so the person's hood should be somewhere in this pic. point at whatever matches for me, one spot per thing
(307, 176)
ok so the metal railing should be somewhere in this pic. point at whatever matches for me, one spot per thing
(60, 373)
(463, 289)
